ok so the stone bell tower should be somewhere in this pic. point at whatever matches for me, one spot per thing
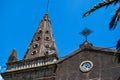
(42, 43)
(39, 62)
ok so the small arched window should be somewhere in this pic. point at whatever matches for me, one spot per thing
(34, 52)
(35, 46)
(40, 31)
(38, 38)
(47, 32)
(47, 38)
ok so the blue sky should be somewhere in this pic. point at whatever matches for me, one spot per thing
(19, 20)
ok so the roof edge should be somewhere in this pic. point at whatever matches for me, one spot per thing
(88, 48)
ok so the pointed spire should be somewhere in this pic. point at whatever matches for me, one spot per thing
(43, 43)
(13, 56)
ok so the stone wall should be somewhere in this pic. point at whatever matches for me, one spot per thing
(104, 67)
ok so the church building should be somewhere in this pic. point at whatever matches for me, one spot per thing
(41, 61)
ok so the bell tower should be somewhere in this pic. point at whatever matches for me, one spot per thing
(43, 43)
(39, 61)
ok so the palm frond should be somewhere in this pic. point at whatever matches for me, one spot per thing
(115, 19)
(118, 45)
(116, 1)
(117, 58)
(118, 49)
(99, 5)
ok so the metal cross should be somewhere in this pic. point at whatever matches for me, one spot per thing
(85, 33)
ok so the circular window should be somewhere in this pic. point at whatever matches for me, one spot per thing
(34, 52)
(47, 38)
(86, 66)
(47, 32)
(46, 52)
(47, 45)
(38, 38)
(35, 46)
(40, 31)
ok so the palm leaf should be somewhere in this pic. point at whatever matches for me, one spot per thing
(99, 5)
(117, 58)
(118, 45)
(115, 19)
(117, 1)
(118, 49)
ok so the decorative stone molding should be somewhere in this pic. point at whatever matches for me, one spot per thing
(29, 64)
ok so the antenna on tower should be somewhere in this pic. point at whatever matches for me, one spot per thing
(47, 6)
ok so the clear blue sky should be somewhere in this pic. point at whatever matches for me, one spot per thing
(19, 20)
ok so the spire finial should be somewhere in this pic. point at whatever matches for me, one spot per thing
(85, 33)
(42, 43)
(47, 6)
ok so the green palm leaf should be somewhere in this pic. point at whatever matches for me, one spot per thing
(99, 5)
(115, 19)
(117, 1)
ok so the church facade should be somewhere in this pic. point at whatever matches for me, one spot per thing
(41, 60)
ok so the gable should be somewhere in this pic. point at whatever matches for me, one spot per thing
(103, 68)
